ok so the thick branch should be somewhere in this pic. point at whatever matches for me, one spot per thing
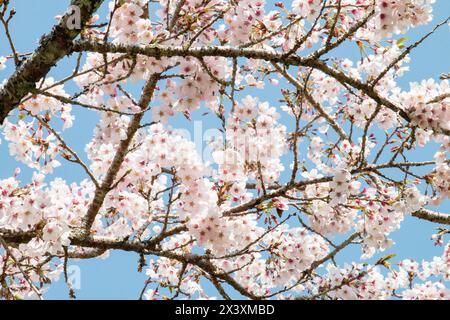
(302, 184)
(100, 193)
(432, 216)
(52, 48)
(158, 51)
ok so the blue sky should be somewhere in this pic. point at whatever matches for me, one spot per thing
(117, 276)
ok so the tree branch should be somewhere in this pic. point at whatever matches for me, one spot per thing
(100, 193)
(261, 54)
(52, 48)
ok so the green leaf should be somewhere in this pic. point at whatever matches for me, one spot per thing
(384, 260)
(401, 42)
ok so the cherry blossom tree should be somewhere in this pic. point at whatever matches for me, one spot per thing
(290, 184)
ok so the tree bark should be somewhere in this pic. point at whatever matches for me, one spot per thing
(52, 48)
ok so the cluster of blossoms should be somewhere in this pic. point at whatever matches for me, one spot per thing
(167, 271)
(342, 187)
(32, 142)
(255, 141)
(295, 250)
(38, 104)
(326, 89)
(117, 71)
(49, 212)
(362, 111)
(240, 21)
(375, 63)
(129, 27)
(128, 24)
(327, 219)
(440, 176)
(32, 146)
(357, 281)
(397, 16)
(361, 284)
(198, 85)
(128, 211)
(379, 219)
(427, 107)
(310, 9)
(352, 151)
(18, 286)
(159, 149)
(251, 272)
(292, 252)
(212, 231)
(196, 15)
(391, 16)
(437, 268)
(382, 210)
(427, 291)
(197, 200)
(53, 209)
